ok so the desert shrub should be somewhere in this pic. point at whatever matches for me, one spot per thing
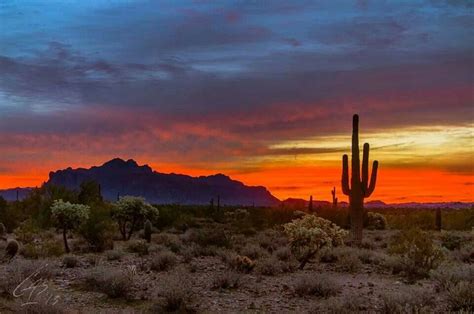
(242, 263)
(111, 281)
(213, 237)
(328, 255)
(139, 247)
(3, 231)
(175, 295)
(371, 257)
(309, 234)
(460, 296)
(70, 261)
(408, 300)
(20, 270)
(465, 254)
(93, 259)
(130, 213)
(11, 248)
(458, 282)
(42, 249)
(316, 285)
(451, 241)
(419, 254)
(252, 251)
(451, 274)
(113, 255)
(283, 254)
(40, 308)
(268, 266)
(333, 305)
(163, 261)
(376, 221)
(227, 280)
(348, 263)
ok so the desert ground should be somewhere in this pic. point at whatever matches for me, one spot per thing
(229, 266)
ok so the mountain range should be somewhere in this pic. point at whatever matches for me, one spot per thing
(118, 177)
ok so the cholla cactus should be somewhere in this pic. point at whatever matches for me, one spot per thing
(376, 221)
(147, 230)
(309, 234)
(12, 248)
(130, 212)
(68, 216)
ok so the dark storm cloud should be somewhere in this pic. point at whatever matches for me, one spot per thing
(248, 68)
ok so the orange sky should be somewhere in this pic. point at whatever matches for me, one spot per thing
(423, 164)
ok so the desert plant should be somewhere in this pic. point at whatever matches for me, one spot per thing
(113, 282)
(348, 263)
(409, 300)
(227, 280)
(139, 247)
(310, 204)
(130, 212)
(451, 241)
(68, 216)
(113, 255)
(268, 266)
(242, 263)
(451, 274)
(309, 234)
(334, 198)
(147, 230)
(163, 261)
(360, 187)
(376, 221)
(461, 296)
(12, 248)
(70, 261)
(418, 253)
(283, 253)
(175, 293)
(98, 229)
(317, 285)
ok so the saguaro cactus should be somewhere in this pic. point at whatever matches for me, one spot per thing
(310, 204)
(334, 198)
(360, 187)
(147, 230)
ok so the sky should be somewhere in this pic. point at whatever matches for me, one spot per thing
(263, 91)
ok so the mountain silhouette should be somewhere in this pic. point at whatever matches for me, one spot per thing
(120, 177)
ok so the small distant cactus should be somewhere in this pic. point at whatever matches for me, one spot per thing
(148, 230)
(334, 198)
(12, 248)
(310, 205)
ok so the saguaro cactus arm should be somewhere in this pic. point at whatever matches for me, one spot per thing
(365, 167)
(373, 179)
(345, 175)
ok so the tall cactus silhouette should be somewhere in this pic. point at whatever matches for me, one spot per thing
(334, 198)
(310, 204)
(360, 187)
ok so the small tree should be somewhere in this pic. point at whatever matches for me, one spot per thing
(309, 234)
(67, 216)
(130, 213)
